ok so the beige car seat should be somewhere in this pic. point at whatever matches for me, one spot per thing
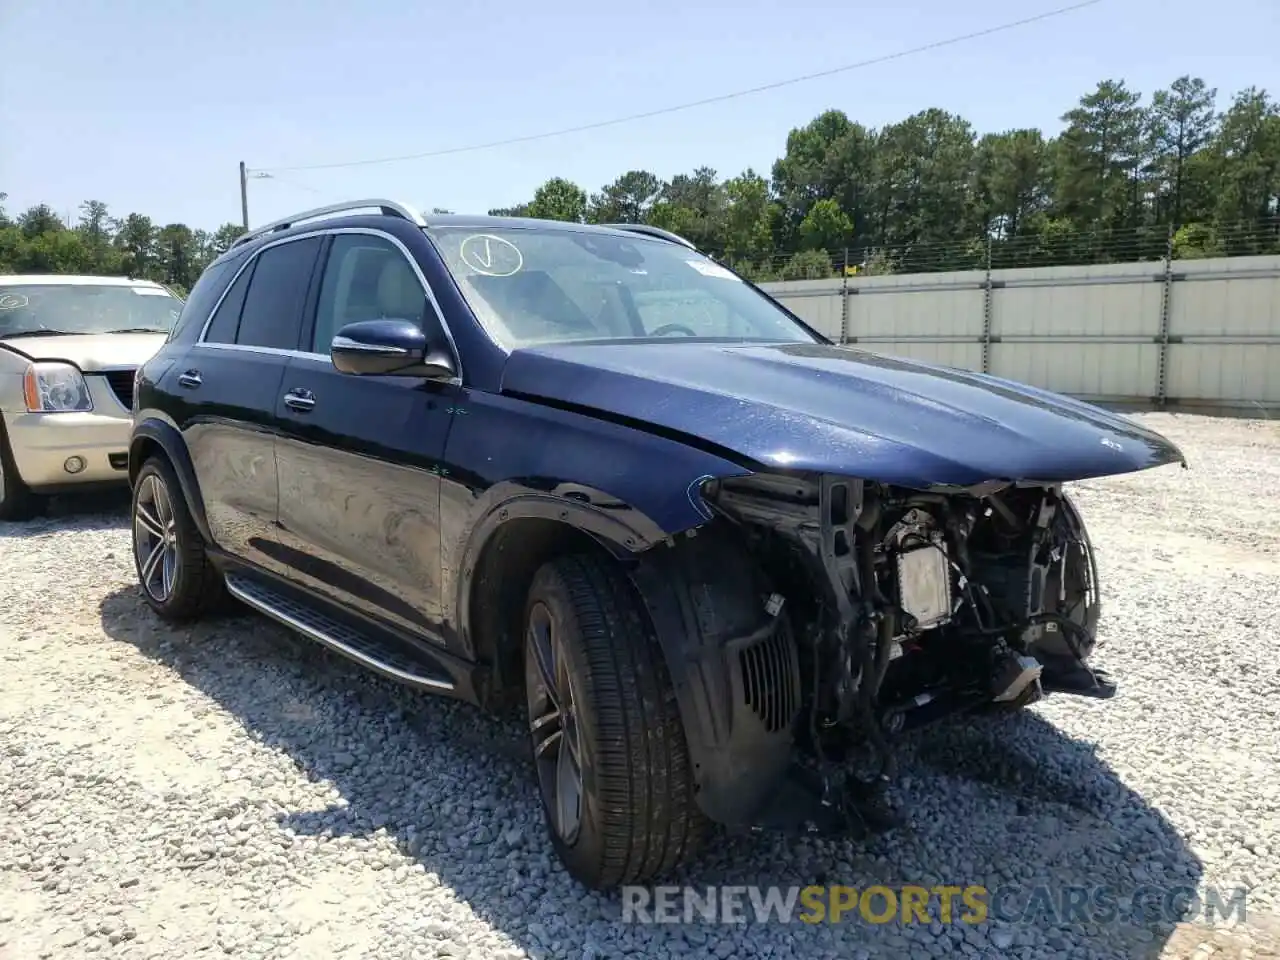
(400, 295)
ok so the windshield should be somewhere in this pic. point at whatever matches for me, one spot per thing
(35, 309)
(533, 285)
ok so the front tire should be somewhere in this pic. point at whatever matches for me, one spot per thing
(17, 502)
(178, 580)
(609, 747)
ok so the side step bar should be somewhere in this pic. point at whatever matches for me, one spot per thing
(364, 650)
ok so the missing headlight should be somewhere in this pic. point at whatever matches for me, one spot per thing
(924, 570)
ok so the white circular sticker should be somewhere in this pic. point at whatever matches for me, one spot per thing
(490, 255)
(12, 301)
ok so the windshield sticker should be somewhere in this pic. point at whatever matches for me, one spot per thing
(491, 256)
(13, 301)
(709, 269)
(150, 292)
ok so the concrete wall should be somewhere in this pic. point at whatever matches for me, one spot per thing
(1202, 332)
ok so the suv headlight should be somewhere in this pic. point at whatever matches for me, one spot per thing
(56, 388)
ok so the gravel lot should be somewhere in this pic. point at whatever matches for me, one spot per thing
(232, 789)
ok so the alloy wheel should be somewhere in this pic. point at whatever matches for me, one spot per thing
(553, 721)
(155, 538)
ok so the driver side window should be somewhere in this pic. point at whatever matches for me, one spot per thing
(366, 278)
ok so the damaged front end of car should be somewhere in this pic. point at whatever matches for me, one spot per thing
(879, 609)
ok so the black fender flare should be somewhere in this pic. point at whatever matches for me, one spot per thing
(166, 436)
(616, 527)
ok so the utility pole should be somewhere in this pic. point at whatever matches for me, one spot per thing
(244, 195)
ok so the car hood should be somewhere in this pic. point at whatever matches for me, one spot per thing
(838, 410)
(89, 352)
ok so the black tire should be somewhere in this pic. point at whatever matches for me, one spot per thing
(196, 587)
(17, 502)
(638, 818)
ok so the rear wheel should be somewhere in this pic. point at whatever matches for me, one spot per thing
(17, 502)
(609, 747)
(178, 580)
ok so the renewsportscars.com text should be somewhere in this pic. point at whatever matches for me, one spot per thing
(909, 904)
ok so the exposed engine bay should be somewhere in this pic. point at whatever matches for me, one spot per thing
(903, 607)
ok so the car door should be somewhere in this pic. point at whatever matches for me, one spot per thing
(359, 512)
(230, 383)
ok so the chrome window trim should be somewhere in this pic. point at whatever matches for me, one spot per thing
(346, 343)
(266, 351)
(306, 354)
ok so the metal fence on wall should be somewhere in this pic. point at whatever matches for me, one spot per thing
(1058, 246)
(1184, 332)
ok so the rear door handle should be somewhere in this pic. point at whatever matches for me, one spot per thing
(300, 400)
(191, 379)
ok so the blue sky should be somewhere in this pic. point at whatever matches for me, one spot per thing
(150, 106)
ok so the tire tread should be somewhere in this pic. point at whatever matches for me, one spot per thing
(204, 591)
(650, 821)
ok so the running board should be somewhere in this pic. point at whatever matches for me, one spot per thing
(367, 651)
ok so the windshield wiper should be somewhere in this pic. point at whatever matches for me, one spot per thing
(138, 330)
(41, 333)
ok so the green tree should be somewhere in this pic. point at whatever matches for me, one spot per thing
(1098, 158)
(56, 251)
(521, 210)
(1011, 183)
(626, 200)
(39, 220)
(921, 190)
(559, 199)
(749, 219)
(1245, 160)
(177, 257)
(694, 206)
(826, 227)
(808, 265)
(830, 158)
(95, 230)
(1181, 122)
(136, 241)
(224, 237)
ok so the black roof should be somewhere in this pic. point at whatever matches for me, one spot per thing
(305, 221)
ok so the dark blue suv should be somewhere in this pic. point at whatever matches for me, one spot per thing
(717, 561)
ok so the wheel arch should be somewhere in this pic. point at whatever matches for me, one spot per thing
(516, 536)
(704, 595)
(152, 435)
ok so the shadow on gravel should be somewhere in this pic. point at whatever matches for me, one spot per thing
(1002, 801)
(93, 511)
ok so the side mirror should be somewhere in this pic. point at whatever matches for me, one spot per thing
(389, 348)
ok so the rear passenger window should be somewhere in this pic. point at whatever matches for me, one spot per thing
(272, 312)
(199, 302)
(222, 328)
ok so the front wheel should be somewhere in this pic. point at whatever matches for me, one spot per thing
(17, 502)
(178, 580)
(609, 747)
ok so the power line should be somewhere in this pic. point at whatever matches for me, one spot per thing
(721, 98)
(273, 175)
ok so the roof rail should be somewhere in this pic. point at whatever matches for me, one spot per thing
(388, 207)
(652, 232)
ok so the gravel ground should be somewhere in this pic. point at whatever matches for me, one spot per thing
(232, 789)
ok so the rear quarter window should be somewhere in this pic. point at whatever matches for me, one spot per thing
(201, 300)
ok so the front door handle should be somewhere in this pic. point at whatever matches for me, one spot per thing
(190, 379)
(300, 400)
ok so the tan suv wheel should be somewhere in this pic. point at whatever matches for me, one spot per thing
(17, 502)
